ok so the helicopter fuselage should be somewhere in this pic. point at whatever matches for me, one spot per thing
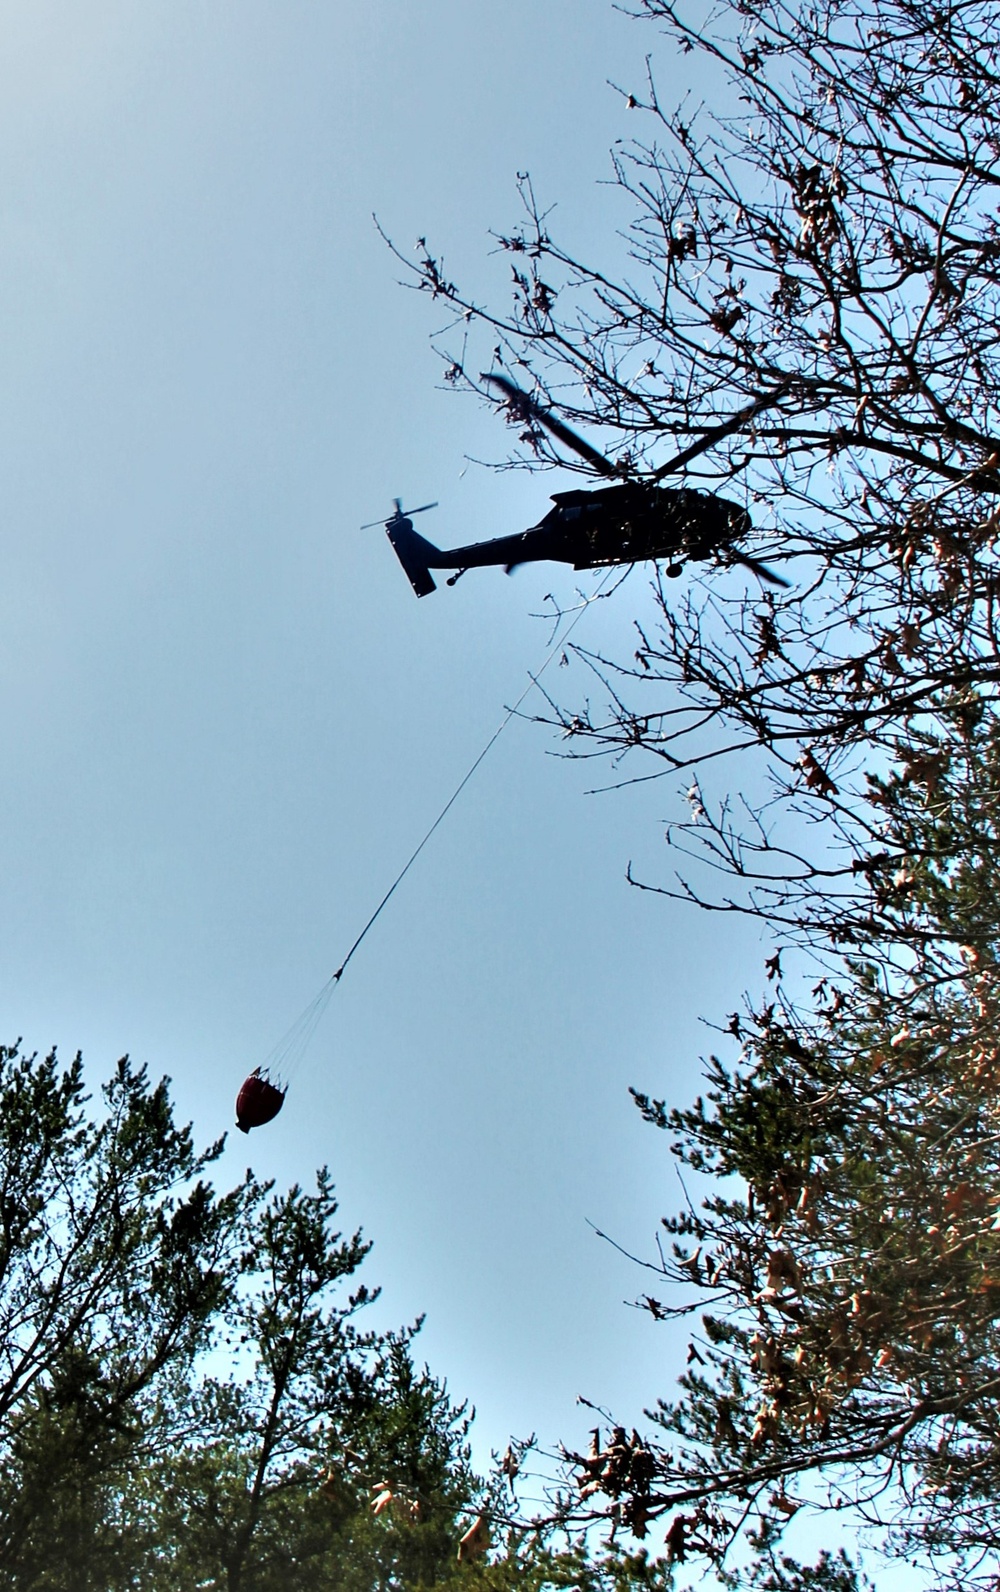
(621, 524)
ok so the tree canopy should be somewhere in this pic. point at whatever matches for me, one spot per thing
(845, 1267)
(189, 1398)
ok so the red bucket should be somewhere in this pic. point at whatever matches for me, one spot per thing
(258, 1101)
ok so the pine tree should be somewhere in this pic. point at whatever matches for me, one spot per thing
(844, 1264)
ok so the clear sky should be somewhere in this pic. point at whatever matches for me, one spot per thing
(226, 720)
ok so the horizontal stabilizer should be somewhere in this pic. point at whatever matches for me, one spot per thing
(413, 552)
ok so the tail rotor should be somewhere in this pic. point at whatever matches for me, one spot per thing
(400, 514)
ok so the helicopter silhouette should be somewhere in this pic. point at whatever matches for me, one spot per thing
(626, 523)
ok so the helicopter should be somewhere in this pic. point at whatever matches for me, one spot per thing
(626, 523)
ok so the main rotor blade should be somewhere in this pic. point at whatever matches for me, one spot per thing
(552, 423)
(761, 571)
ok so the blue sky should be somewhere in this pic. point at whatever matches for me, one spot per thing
(226, 719)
